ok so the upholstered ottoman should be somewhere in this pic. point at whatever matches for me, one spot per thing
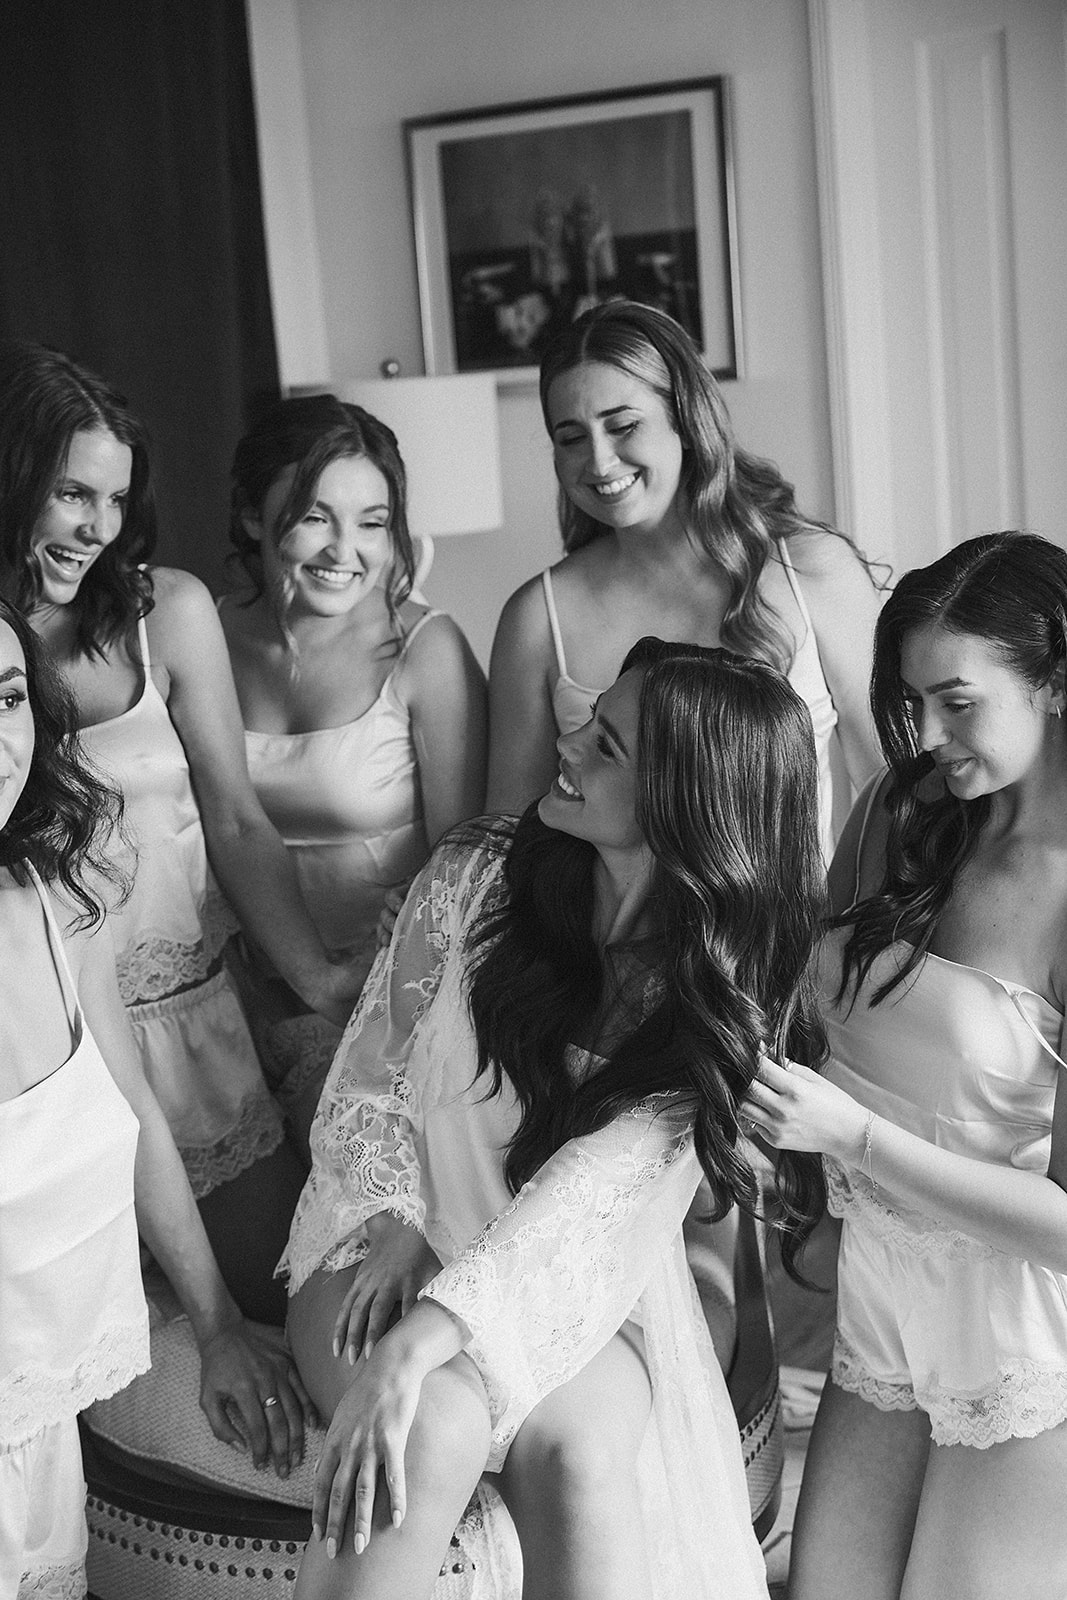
(174, 1514)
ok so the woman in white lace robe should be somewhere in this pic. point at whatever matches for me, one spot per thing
(555, 1043)
(144, 656)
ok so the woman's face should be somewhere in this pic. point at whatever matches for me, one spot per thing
(337, 552)
(985, 727)
(617, 455)
(594, 795)
(83, 514)
(16, 723)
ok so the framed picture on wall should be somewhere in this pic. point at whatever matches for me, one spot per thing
(526, 214)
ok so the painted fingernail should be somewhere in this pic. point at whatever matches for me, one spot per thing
(351, 1355)
(398, 1517)
(331, 1547)
(336, 1348)
(361, 1544)
(316, 1530)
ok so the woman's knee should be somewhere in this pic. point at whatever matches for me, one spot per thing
(452, 1431)
(570, 1461)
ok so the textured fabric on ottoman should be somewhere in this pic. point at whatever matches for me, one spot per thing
(174, 1514)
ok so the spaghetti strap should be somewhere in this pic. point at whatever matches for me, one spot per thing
(66, 977)
(427, 616)
(553, 621)
(1013, 992)
(875, 788)
(142, 640)
(794, 584)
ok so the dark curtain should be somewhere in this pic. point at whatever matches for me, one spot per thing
(131, 230)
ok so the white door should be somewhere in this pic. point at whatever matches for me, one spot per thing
(942, 145)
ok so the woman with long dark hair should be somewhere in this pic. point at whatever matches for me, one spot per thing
(142, 652)
(364, 711)
(553, 1048)
(938, 1457)
(86, 1159)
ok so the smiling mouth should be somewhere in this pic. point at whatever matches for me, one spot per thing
(567, 788)
(617, 486)
(69, 562)
(949, 769)
(333, 577)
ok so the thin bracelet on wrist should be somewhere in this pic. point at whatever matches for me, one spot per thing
(867, 1163)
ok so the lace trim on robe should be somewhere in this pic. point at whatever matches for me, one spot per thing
(54, 1583)
(35, 1397)
(361, 1139)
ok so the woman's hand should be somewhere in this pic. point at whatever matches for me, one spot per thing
(369, 1432)
(394, 899)
(793, 1108)
(251, 1394)
(397, 1265)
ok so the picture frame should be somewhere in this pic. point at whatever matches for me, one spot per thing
(524, 214)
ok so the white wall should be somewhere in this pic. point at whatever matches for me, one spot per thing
(365, 65)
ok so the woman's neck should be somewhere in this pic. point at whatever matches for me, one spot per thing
(622, 884)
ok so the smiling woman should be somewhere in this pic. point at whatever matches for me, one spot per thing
(364, 710)
(142, 652)
(943, 1113)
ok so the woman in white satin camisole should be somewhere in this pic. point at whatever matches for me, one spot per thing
(939, 1452)
(364, 710)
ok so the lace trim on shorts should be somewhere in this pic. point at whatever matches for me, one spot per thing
(299, 1051)
(850, 1193)
(849, 1372)
(35, 1397)
(155, 968)
(54, 1583)
(1027, 1399)
(258, 1131)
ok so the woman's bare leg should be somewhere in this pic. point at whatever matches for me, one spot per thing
(863, 1476)
(991, 1522)
(445, 1456)
(570, 1482)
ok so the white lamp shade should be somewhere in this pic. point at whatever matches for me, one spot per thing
(449, 437)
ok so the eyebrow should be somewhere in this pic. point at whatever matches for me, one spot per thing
(11, 672)
(946, 683)
(573, 422)
(324, 505)
(612, 732)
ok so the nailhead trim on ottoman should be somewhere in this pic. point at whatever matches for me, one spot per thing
(157, 1540)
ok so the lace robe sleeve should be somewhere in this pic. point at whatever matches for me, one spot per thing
(549, 1281)
(364, 1158)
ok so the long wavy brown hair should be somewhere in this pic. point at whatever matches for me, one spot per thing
(725, 753)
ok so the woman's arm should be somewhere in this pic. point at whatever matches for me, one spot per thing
(522, 727)
(246, 852)
(1021, 1213)
(844, 606)
(535, 1296)
(241, 1364)
(445, 691)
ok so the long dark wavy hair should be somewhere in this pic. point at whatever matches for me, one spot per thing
(307, 433)
(736, 505)
(1009, 590)
(45, 399)
(65, 815)
(727, 800)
